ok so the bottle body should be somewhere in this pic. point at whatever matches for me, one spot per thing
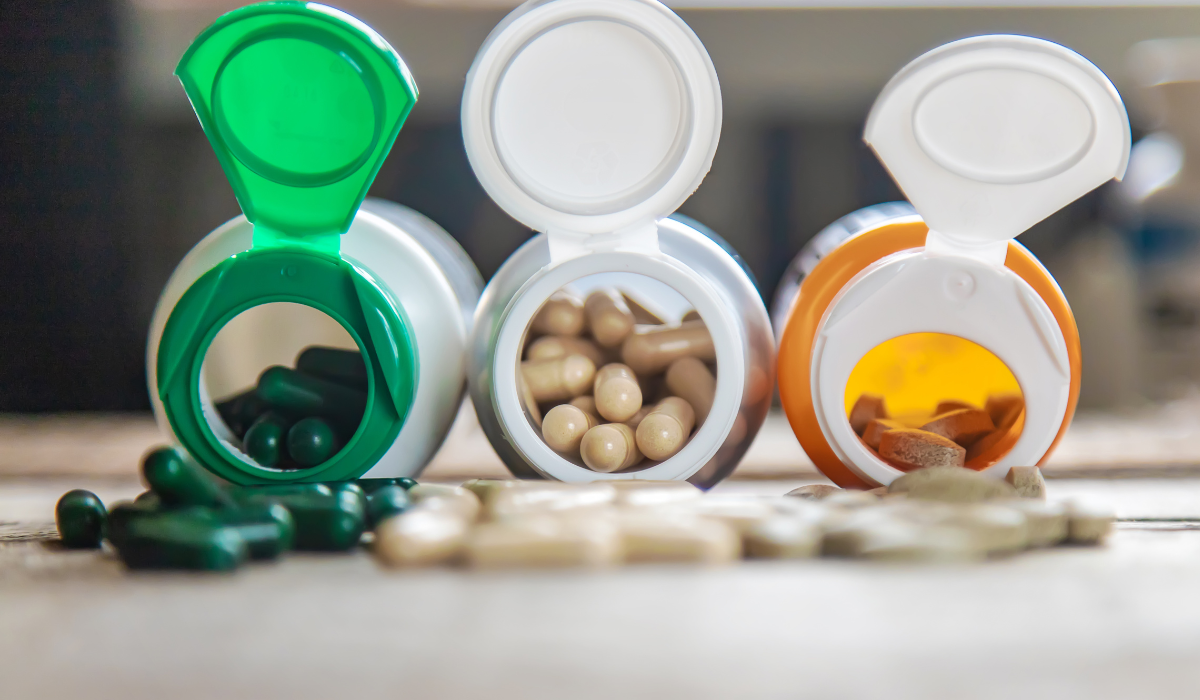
(702, 273)
(412, 259)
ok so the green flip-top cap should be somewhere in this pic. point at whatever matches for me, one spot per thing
(301, 103)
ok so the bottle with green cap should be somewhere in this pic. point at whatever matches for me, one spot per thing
(302, 103)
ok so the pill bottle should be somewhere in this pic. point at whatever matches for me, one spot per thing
(933, 307)
(302, 103)
(591, 121)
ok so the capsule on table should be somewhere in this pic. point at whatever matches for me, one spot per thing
(297, 394)
(550, 347)
(80, 518)
(649, 351)
(384, 503)
(564, 426)
(326, 523)
(268, 491)
(240, 412)
(545, 541)
(179, 482)
(264, 440)
(617, 393)
(609, 317)
(665, 431)
(609, 448)
(560, 379)
(690, 379)
(420, 537)
(455, 499)
(562, 314)
(370, 486)
(335, 364)
(184, 539)
(311, 441)
(267, 529)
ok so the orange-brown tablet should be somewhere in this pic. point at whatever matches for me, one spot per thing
(1004, 409)
(562, 314)
(867, 408)
(909, 449)
(876, 428)
(558, 380)
(609, 317)
(952, 405)
(550, 347)
(651, 350)
(964, 426)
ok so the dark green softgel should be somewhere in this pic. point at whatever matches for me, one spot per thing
(268, 528)
(179, 482)
(311, 441)
(297, 394)
(184, 539)
(337, 365)
(264, 440)
(384, 503)
(326, 523)
(80, 517)
(240, 412)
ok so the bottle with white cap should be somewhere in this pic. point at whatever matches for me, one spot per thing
(301, 103)
(933, 307)
(591, 121)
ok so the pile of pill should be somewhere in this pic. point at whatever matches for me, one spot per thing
(187, 520)
(296, 418)
(955, 434)
(941, 514)
(609, 384)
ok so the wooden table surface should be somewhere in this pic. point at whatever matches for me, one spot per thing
(1122, 621)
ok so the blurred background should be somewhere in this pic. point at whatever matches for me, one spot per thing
(106, 179)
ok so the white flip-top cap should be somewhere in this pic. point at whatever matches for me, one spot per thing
(988, 136)
(591, 116)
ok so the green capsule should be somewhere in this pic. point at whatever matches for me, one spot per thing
(80, 517)
(264, 440)
(252, 494)
(407, 482)
(148, 499)
(185, 539)
(370, 486)
(327, 523)
(342, 366)
(311, 441)
(179, 482)
(384, 503)
(268, 528)
(297, 394)
(123, 513)
(240, 412)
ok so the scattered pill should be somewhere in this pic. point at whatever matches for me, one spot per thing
(562, 314)
(552, 347)
(184, 539)
(1027, 481)
(867, 408)
(609, 317)
(483, 488)
(311, 441)
(648, 537)
(407, 482)
(298, 394)
(385, 502)
(545, 541)
(643, 492)
(547, 497)
(641, 314)
(964, 426)
(455, 499)
(739, 512)
(563, 428)
(264, 441)
(951, 485)
(610, 448)
(369, 486)
(421, 537)
(559, 379)
(617, 395)
(652, 350)
(909, 449)
(665, 430)
(851, 498)
(335, 364)
(180, 482)
(326, 523)
(782, 537)
(875, 429)
(993, 529)
(268, 529)
(814, 492)
(80, 517)
(1048, 522)
(690, 379)
(924, 544)
(1088, 524)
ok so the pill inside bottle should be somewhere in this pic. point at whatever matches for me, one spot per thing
(284, 386)
(936, 398)
(630, 386)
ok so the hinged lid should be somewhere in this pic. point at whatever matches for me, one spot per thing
(591, 116)
(301, 103)
(988, 136)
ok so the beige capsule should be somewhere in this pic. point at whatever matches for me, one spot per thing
(739, 512)
(665, 431)
(690, 379)
(564, 426)
(651, 537)
(609, 448)
(652, 350)
(551, 347)
(617, 393)
(560, 379)
(455, 499)
(545, 541)
(638, 417)
(639, 493)
(609, 318)
(782, 537)
(585, 403)
(548, 497)
(641, 314)
(562, 314)
(421, 537)
(483, 488)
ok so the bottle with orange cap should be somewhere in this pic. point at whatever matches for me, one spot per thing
(929, 316)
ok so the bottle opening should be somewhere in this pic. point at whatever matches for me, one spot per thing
(284, 386)
(617, 372)
(932, 399)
